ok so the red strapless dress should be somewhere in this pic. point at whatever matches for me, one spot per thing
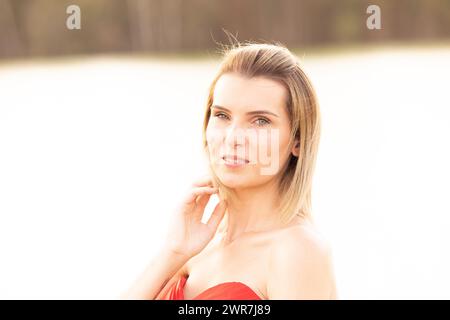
(221, 291)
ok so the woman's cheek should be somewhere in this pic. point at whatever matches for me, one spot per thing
(270, 152)
(213, 138)
(210, 135)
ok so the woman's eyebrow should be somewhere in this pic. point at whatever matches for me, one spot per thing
(249, 113)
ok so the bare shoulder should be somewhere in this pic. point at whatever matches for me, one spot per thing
(301, 265)
(302, 239)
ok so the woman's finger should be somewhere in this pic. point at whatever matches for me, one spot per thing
(203, 181)
(217, 215)
(202, 200)
(194, 193)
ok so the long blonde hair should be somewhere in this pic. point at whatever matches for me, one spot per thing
(276, 62)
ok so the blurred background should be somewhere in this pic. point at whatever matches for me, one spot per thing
(100, 136)
(35, 28)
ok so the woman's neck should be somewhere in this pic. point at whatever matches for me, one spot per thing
(251, 210)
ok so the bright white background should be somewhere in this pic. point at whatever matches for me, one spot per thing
(95, 154)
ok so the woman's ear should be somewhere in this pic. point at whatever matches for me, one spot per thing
(296, 148)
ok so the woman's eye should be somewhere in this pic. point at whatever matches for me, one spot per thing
(263, 122)
(220, 114)
(259, 121)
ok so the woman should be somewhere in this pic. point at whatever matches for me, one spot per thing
(261, 133)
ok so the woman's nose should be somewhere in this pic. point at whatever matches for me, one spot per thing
(235, 135)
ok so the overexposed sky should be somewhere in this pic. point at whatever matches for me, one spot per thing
(95, 153)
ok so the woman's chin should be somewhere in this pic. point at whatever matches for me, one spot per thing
(233, 182)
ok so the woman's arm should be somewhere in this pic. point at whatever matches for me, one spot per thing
(156, 276)
(187, 237)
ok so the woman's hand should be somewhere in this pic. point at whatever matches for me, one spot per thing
(187, 235)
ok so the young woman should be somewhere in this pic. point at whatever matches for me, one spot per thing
(261, 134)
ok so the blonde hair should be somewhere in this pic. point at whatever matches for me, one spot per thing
(276, 62)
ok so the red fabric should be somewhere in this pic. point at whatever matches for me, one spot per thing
(222, 291)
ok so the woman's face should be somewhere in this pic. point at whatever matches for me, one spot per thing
(248, 130)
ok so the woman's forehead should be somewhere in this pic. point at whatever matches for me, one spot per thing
(242, 94)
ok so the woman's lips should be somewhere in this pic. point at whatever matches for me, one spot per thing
(234, 161)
